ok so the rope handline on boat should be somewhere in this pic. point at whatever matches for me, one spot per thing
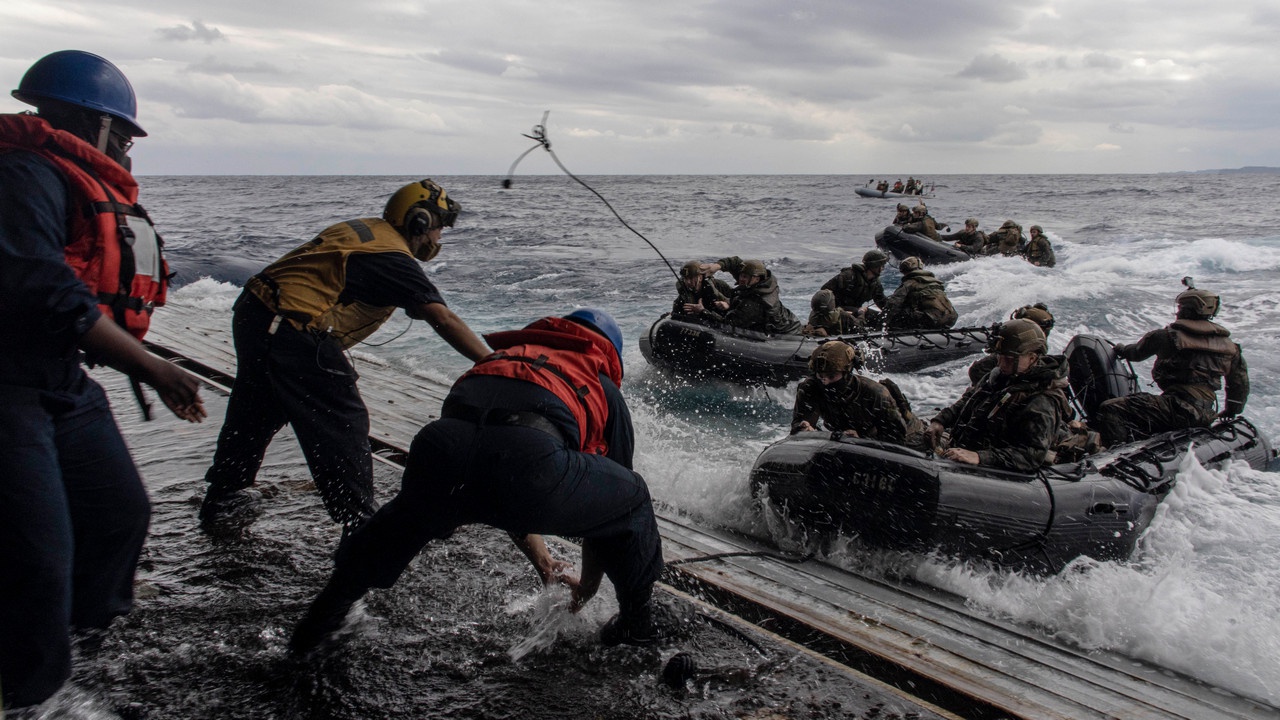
(540, 137)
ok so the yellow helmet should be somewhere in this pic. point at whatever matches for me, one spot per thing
(421, 194)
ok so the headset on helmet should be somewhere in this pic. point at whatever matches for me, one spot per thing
(426, 194)
(84, 80)
(1019, 337)
(910, 264)
(602, 322)
(836, 356)
(1038, 313)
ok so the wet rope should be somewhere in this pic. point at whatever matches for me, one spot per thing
(796, 559)
(539, 136)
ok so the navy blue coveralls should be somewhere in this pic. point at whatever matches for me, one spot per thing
(303, 378)
(73, 510)
(517, 478)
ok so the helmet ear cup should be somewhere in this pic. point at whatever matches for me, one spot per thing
(418, 223)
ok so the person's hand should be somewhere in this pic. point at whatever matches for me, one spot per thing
(582, 594)
(1227, 414)
(961, 455)
(693, 308)
(805, 426)
(934, 432)
(722, 305)
(850, 433)
(179, 390)
(561, 572)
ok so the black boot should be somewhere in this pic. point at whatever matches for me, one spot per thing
(633, 625)
(325, 617)
(229, 513)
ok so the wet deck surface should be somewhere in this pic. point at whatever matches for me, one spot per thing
(467, 633)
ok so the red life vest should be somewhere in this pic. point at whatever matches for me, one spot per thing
(566, 359)
(113, 247)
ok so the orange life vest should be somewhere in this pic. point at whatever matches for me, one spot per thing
(114, 248)
(566, 359)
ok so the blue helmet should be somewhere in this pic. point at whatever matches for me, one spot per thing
(82, 79)
(600, 321)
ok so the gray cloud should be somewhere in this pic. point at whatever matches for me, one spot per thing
(993, 68)
(195, 31)
(688, 86)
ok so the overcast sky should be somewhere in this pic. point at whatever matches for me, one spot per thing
(410, 87)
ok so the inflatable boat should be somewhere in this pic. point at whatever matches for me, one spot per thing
(903, 245)
(689, 347)
(892, 497)
(868, 192)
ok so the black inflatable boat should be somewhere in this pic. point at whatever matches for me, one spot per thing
(688, 347)
(867, 192)
(903, 245)
(893, 497)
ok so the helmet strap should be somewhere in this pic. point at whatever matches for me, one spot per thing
(104, 132)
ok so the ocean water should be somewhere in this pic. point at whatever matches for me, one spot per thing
(1200, 595)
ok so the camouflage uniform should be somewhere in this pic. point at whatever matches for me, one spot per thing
(1013, 422)
(1192, 358)
(758, 307)
(853, 289)
(832, 322)
(855, 403)
(1040, 252)
(923, 225)
(1007, 240)
(982, 367)
(920, 303)
(970, 241)
(711, 291)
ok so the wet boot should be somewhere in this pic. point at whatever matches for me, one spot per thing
(229, 513)
(633, 625)
(325, 616)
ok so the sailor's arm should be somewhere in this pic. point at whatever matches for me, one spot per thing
(548, 568)
(449, 326)
(111, 345)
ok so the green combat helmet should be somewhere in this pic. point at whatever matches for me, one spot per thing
(836, 356)
(823, 301)
(691, 269)
(1038, 313)
(874, 258)
(1196, 304)
(1019, 337)
(754, 268)
(910, 264)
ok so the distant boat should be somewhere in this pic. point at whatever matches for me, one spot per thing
(889, 194)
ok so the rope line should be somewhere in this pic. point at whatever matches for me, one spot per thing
(540, 137)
